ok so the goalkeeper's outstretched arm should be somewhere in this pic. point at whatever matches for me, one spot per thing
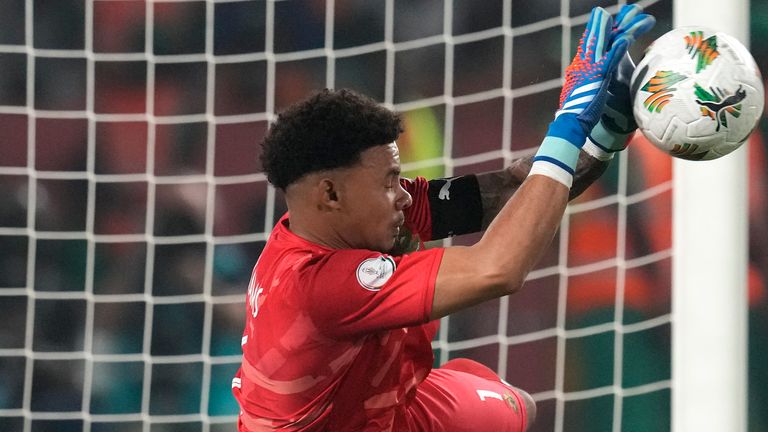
(499, 263)
(497, 187)
(609, 136)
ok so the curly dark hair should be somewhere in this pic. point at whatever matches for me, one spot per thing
(325, 131)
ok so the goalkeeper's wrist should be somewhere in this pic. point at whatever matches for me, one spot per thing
(557, 159)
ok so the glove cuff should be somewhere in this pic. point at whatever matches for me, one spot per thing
(551, 171)
(596, 151)
(602, 143)
(557, 159)
(567, 127)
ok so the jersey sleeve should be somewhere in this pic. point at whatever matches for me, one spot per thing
(354, 292)
(444, 207)
(418, 217)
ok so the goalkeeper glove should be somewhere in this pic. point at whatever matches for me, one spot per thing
(583, 96)
(617, 124)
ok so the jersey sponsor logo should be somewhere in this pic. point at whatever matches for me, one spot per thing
(373, 273)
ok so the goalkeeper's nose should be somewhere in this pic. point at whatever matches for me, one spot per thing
(404, 199)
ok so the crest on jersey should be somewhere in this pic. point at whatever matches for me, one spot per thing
(373, 273)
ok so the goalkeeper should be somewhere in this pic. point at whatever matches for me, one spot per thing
(339, 326)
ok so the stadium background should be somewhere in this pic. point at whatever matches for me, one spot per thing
(121, 291)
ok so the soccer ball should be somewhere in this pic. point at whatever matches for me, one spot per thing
(697, 94)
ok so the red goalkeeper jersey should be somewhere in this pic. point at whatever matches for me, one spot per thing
(337, 339)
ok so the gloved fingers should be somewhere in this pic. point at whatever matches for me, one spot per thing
(597, 35)
(625, 15)
(626, 66)
(623, 74)
(619, 86)
(615, 55)
(636, 27)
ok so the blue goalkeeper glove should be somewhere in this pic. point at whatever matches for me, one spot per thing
(611, 134)
(583, 97)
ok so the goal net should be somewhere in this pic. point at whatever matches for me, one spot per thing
(133, 205)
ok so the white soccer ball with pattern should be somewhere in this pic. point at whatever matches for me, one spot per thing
(697, 94)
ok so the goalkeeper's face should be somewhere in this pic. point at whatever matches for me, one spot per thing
(372, 200)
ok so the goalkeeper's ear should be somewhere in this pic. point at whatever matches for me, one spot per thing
(328, 193)
(315, 190)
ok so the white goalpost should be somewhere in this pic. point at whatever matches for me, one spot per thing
(709, 374)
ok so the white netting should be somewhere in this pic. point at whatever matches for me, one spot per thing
(133, 205)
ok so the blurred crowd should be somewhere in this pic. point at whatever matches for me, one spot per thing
(133, 203)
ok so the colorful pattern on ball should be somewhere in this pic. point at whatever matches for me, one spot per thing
(687, 151)
(660, 87)
(705, 49)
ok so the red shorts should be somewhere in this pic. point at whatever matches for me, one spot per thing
(464, 395)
